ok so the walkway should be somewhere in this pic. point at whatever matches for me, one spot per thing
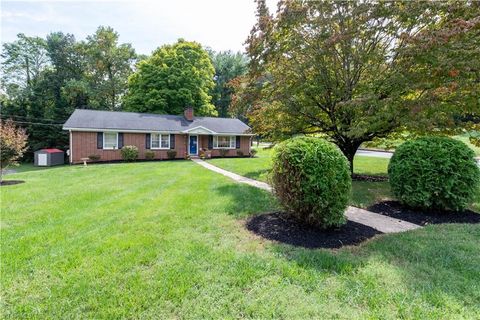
(377, 221)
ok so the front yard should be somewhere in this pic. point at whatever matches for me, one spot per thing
(167, 240)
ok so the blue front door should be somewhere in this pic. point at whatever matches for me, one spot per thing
(193, 144)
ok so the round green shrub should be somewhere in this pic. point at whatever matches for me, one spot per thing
(311, 179)
(149, 155)
(434, 173)
(129, 153)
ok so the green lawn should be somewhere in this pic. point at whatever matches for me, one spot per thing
(364, 193)
(165, 240)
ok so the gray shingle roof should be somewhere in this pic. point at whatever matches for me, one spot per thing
(94, 119)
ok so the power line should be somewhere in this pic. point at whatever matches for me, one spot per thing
(38, 123)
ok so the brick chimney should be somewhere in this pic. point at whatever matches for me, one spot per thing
(188, 113)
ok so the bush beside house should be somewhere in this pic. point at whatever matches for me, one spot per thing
(129, 153)
(311, 179)
(434, 173)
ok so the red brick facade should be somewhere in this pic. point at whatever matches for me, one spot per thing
(84, 144)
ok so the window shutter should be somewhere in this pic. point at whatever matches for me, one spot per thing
(120, 140)
(99, 140)
(147, 141)
(172, 141)
(237, 142)
(210, 142)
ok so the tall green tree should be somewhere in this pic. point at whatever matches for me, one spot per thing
(228, 66)
(175, 76)
(109, 66)
(344, 70)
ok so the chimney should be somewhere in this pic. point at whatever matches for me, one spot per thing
(188, 113)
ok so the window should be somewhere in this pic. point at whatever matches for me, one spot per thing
(160, 141)
(223, 142)
(110, 140)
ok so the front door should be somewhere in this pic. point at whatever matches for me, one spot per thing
(193, 145)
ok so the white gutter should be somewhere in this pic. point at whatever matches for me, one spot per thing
(151, 131)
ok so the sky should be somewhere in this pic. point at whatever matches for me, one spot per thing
(146, 24)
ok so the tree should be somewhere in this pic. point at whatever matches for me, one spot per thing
(175, 76)
(228, 66)
(342, 70)
(109, 66)
(13, 141)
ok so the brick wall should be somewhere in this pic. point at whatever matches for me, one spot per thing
(84, 144)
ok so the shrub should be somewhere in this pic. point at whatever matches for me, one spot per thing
(129, 153)
(171, 154)
(223, 152)
(149, 155)
(239, 153)
(94, 157)
(311, 178)
(253, 152)
(434, 173)
(13, 143)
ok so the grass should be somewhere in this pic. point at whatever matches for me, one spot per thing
(166, 240)
(364, 193)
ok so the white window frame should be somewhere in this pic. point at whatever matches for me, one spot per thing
(233, 142)
(159, 141)
(110, 148)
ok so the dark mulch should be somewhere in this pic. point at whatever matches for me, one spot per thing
(10, 182)
(395, 210)
(366, 177)
(283, 228)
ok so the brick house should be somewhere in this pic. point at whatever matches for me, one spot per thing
(103, 133)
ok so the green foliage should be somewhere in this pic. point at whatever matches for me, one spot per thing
(356, 70)
(228, 66)
(175, 76)
(129, 153)
(312, 180)
(94, 157)
(149, 155)
(171, 154)
(434, 173)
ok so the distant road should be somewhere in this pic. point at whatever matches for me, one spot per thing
(371, 153)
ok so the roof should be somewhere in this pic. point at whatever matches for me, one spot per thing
(51, 150)
(143, 122)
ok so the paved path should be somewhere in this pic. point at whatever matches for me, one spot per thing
(377, 221)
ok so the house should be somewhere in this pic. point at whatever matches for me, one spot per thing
(103, 133)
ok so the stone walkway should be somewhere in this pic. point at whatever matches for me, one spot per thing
(377, 221)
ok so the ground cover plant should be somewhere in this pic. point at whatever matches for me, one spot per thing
(167, 240)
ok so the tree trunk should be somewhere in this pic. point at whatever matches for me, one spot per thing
(349, 148)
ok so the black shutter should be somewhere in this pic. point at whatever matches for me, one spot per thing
(172, 141)
(99, 140)
(237, 142)
(210, 142)
(147, 141)
(120, 140)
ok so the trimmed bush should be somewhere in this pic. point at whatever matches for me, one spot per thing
(311, 178)
(94, 157)
(434, 173)
(129, 153)
(171, 154)
(149, 155)
(223, 152)
(239, 153)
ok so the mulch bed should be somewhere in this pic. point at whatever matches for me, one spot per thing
(283, 228)
(10, 182)
(366, 177)
(395, 210)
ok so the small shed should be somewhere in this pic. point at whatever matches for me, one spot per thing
(49, 157)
